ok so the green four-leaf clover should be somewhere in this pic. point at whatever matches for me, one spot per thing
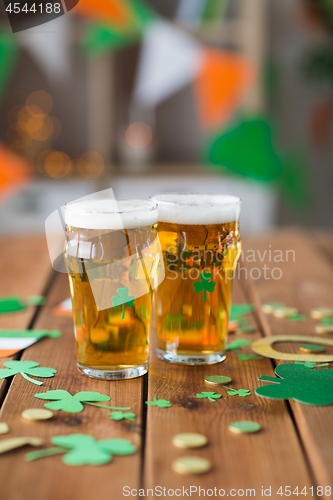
(204, 285)
(26, 368)
(123, 300)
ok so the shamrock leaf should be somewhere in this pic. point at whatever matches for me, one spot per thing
(119, 415)
(123, 300)
(26, 368)
(204, 285)
(212, 396)
(298, 382)
(85, 449)
(239, 392)
(64, 401)
(161, 403)
(310, 364)
(246, 357)
(235, 344)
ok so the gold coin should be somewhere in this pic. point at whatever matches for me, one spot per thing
(284, 312)
(324, 329)
(191, 465)
(322, 312)
(4, 428)
(217, 380)
(189, 440)
(244, 427)
(37, 414)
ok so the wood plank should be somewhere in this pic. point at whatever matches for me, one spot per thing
(239, 461)
(306, 282)
(41, 479)
(25, 270)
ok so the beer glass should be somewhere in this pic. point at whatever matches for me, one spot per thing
(111, 253)
(200, 240)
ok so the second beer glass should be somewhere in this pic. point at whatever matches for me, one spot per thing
(200, 240)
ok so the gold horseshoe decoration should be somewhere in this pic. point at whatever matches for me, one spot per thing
(264, 347)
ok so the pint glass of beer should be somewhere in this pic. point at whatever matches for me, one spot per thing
(112, 250)
(200, 240)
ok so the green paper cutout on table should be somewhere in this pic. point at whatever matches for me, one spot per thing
(326, 321)
(247, 328)
(238, 310)
(313, 347)
(82, 449)
(245, 426)
(246, 357)
(204, 285)
(297, 317)
(312, 387)
(212, 396)
(123, 300)
(240, 392)
(310, 364)
(236, 344)
(9, 51)
(119, 415)
(26, 368)
(15, 303)
(64, 401)
(161, 403)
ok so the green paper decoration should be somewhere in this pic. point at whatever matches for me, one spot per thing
(247, 148)
(161, 403)
(205, 285)
(64, 401)
(246, 357)
(310, 364)
(82, 449)
(247, 328)
(26, 368)
(326, 321)
(123, 300)
(313, 347)
(312, 387)
(212, 396)
(238, 310)
(236, 344)
(15, 303)
(297, 317)
(240, 392)
(119, 415)
(245, 426)
(9, 52)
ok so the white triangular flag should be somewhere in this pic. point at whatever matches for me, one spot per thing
(50, 46)
(170, 59)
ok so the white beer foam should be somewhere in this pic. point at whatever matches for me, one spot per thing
(111, 214)
(194, 209)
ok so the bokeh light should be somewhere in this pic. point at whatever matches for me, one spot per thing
(138, 135)
(40, 98)
(90, 165)
(57, 164)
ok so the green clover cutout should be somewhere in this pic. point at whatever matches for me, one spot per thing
(119, 415)
(246, 357)
(310, 364)
(82, 449)
(240, 392)
(298, 382)
(161, 403)
(64, 401)
(123, 300)
(204, 285)
(26, 368)
(212, 396)
(236, 344)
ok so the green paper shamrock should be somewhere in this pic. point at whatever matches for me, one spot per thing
(238, 310)
(161, 403)
(123, 300)
(26, 368)
(240, 392)
(235, 344)
(246, 357)
(312, 387)
(212, 396)
(64, 401)
(204, 285)
(119, 415)
(82, 449)
(310, 364)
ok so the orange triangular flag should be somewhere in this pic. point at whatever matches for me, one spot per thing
(14, 172)
(116, 12)
(220, 86)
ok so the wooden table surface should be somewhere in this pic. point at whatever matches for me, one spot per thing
(294, 448)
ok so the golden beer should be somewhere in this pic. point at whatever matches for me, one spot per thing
(200, 240)
(109, 264)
